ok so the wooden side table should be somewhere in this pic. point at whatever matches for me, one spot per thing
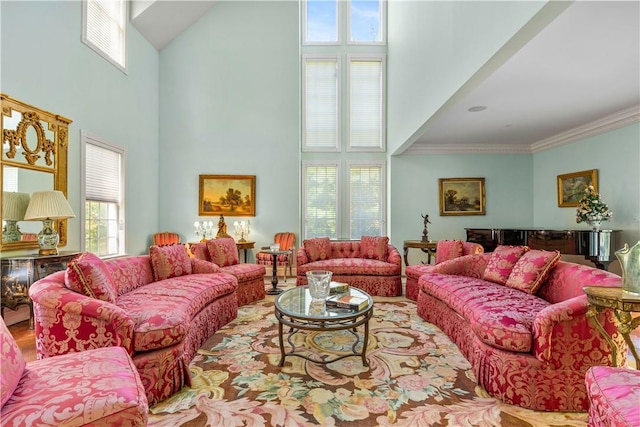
(427, 247)
(623, 304)
(18, 273)
(245, 246)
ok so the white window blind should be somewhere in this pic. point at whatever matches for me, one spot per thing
(102, 176)
(104, 28)
(321, 200)
(321, 117)
(366, 200)
(10, 179)
(365, 104)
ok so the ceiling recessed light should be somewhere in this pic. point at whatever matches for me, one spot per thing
(477, 108)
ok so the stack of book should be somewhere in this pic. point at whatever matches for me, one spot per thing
(338, 288)
(351, 302)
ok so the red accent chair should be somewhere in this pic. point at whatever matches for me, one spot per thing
(166, 238)
(287, 241)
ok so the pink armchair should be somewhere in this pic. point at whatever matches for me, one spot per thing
(95, 387)
(445, 250)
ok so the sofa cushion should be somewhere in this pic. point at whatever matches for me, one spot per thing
(352, 267)
(448, 249)
(501, 262)
(12, 366)
(89, 275)
(374, 247)
(245, 272)
(614, 396)
(169, 261)
(501, 317)
(162, 311)
(532, 269)
(200, 266)
(223, 251)
(318, 248)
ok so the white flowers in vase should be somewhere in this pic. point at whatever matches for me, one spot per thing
(591, 209)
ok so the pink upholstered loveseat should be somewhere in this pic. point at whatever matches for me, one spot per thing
(445, 250)
(527, 349)
(370, 264)
(159, 309)
(99, 387)
(224, 253)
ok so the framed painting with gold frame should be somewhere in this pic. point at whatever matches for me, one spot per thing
(462, 196)
(231, 195)
(571, 187)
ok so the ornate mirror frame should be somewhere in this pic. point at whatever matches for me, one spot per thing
(38, 143)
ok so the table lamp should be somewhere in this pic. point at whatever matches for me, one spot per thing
(48, 206)
(14, 206)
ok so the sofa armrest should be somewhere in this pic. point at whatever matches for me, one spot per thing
(565, 338)
(393, 256)
(468, 265)
(200, 266)
(67, 321)
(301, 256)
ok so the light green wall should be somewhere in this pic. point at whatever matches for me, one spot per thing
(45, 64)
(229, 104)
(437, 46)
(616, 156)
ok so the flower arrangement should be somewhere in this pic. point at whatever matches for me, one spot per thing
(591, 209)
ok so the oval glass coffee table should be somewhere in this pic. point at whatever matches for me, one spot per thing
(293, 309)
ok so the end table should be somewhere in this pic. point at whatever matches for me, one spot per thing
(274, 276)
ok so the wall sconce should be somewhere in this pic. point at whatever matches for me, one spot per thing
(242, 229)
(14, 206)
(48, 206)
(204, 229)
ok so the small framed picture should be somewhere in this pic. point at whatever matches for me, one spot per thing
(462, 196)
(571, 186)
(232, 195)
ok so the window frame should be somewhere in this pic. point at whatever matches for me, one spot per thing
(85, 39)
(88, 138)
(383, 191)
(383, 27)
(326, 163)
(382, 146)
(339, 127)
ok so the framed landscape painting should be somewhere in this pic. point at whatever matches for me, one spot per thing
(232, 195)
(571, 186)
(462, 196)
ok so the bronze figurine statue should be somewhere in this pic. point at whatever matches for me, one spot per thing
(425, 232)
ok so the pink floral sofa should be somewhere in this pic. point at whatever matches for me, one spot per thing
(614, 396)
(519, 318)
(223, 252)
(160, 308)
(370, 264)
(97, 387)
(445, 250)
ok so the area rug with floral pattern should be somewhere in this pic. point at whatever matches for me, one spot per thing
(416, 377)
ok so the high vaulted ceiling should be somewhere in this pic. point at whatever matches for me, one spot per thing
(578, 76)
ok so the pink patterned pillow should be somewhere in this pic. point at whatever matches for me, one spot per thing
(317, 249)
(88, 275)
(374, 247)
(12, 366)
(501, 263)
(532, 269)
(448, 249)
(223, 251)
(200, 266)
(169, 261)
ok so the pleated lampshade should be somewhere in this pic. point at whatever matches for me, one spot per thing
(48, 205)
(14, 205)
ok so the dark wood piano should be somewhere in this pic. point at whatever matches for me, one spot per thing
(597, 246)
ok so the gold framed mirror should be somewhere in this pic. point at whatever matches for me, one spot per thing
(34, 158)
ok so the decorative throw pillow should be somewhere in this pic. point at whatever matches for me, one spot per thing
(169, 261)
(448, 249)
(223, 251)
(532, 269)
(12, 366)
(317, 249)
(88, 275)
(200, 266)
(374, 247)
(501, 263)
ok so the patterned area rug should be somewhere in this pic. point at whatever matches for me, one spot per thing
(416, 377)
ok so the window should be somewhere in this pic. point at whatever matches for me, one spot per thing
(104, 29)
(360, 213)
(103, 173)
(366, 103)
(321, 110)
(321, 21)
(366, 20)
